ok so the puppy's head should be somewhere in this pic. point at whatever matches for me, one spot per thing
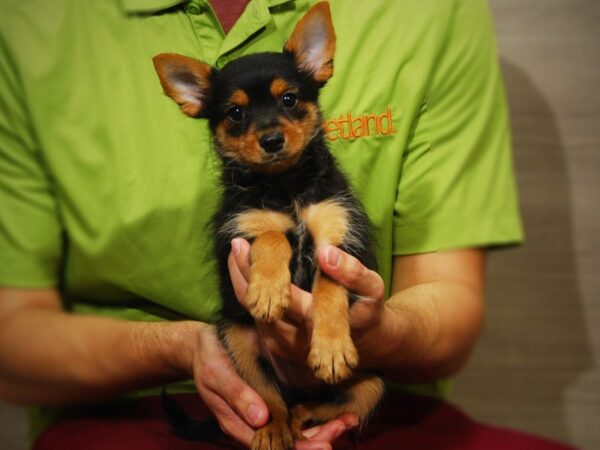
(262, 108)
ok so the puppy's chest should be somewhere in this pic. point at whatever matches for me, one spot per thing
(303, 263)
(307, 227)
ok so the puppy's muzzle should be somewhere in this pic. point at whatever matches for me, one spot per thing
(272, 142)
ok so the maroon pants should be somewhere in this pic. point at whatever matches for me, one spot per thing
(403, 422)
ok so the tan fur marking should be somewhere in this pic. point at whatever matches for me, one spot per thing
(239, 97)
(268, 295)
(279, 87)
(297, 136)
(245, 148)
(298, 45)
(170, 66)
(332, 353)
(242, 344)
(244, 351)
(365, 391)
(327, 222)
(255, 222)
(299, 133)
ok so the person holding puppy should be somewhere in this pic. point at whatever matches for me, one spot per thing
(108, 286)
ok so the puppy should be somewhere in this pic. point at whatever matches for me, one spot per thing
(283, 192)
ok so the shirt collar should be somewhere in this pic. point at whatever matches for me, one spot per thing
(148, 6)
(151, 6)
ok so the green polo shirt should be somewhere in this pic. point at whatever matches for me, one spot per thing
(107, 190)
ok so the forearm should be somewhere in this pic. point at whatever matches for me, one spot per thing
(48, 356)
(428, 330)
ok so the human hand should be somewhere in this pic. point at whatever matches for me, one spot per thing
(239, 410)
(287, 340)
(296, 331)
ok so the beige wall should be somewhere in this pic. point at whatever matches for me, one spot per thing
(536, 367)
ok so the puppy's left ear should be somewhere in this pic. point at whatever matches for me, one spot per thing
(313, 43)
(185, 80)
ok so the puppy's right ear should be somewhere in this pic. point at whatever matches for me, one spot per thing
(185, 80)
(313, 43)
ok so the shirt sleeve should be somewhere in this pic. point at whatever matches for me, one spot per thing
(457, 185)
(30, 231)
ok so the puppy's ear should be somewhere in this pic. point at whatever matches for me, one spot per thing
(185, 80)
(313, 43)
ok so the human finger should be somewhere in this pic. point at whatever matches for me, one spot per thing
(238, 264)
(324, 435)
(246, 403)
(239, 270)
(333, 429)
(215, 373)
(300, 308)
(286, 341)
(229, 422)
(350, 272)
(312, 445)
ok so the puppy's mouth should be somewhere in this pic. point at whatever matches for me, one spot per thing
(269, 158)
(276, 162)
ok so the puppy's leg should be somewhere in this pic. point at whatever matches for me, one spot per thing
(276, 435)
(332, 354)
(268, 294)
(361, 398)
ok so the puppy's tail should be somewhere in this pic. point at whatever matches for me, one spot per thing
(184, 426)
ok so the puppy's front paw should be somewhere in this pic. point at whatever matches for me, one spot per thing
(268, 295)
(273, 436)
(332, 360)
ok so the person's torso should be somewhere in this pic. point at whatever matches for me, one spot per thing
(137, 182)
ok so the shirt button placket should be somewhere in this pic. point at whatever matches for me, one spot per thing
(207, 29)
(194, 7)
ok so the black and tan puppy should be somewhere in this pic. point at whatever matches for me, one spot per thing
(284, 193)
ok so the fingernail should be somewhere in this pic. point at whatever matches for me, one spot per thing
(352, 423)
(310, 432)
(339, 431)
(333, 256)
(254, 414)
(236, 247)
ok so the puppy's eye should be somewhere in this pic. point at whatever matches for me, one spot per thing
(289, 100)
(236, 113)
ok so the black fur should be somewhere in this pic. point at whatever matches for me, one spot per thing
(315, 177)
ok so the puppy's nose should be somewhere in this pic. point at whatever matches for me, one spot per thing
(272, 142)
